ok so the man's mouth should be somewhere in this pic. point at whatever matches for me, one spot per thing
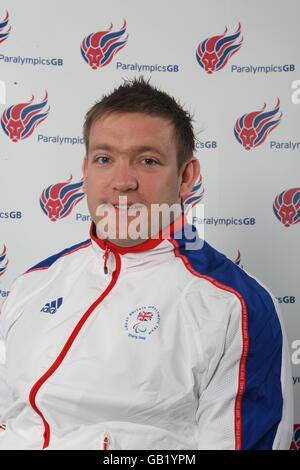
(127, 206)
(123, 204)
(131, 210)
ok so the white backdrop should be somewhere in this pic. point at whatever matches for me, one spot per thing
(40, 46)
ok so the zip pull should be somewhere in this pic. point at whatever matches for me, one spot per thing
(105, 443)
(105, 257)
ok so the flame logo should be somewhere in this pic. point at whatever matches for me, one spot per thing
(295, 445)
(252, 128)
(237, 260)
(194, 196)
(2, 260)
(58, 200)
(3, 25)
(213, 53)
(20, 120)
(286, 207)
(99, 48)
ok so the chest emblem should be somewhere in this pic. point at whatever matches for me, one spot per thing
(51, 307)
(142, 322)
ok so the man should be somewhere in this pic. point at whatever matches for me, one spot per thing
(156, 340)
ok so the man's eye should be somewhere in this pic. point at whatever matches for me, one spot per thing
(149, 161)
(102, 159)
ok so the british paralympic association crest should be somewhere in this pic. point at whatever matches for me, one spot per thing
(142, 322)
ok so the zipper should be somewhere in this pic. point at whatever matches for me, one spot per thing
(65, 349)
(105, 443)
(105, 257)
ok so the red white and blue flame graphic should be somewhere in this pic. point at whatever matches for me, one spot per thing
(194, 196)
(3, 261)
(295, 445)
(3, 25)
(98, 49)
(213, 53)
(19, 120)
(58, 200)
(253, 128)
(237, 260)
(286, 206)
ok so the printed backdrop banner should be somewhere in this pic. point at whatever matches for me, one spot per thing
(234, 65)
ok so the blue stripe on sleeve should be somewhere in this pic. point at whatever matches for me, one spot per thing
(46, 263)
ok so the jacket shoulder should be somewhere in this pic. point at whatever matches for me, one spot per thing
(24, 287)
(216, 267)
(47, 262)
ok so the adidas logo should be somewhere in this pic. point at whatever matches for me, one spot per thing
(51, 307)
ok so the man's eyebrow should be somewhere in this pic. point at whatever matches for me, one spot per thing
(138, 149)
(100, 147)
(148, 148)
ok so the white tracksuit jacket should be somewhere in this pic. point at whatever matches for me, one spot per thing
(173, 348)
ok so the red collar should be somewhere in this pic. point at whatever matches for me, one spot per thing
(144, 246)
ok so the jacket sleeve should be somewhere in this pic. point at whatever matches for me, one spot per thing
(247, 402)
(6, 321)
(5, 391)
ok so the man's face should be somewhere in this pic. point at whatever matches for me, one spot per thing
(132, 163)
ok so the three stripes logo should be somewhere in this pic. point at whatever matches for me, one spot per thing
(52, 307)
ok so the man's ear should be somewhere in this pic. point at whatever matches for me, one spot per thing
(189, 174)
(84, 172)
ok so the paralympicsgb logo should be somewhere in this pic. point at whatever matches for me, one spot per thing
(58, 200)
(3, 261)
(253, 128)
(19, 120)
(194, 197)
(3, 25)
(213, 53)
(286, 206)
(98, 49)
(237, 260)
(295, 445)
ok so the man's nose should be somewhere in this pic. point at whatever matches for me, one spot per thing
(124, 177)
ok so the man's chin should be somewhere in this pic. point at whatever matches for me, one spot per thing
(125, 243)
(125, 229)
(121, 236)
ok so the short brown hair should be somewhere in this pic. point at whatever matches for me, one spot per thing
(138, 95)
